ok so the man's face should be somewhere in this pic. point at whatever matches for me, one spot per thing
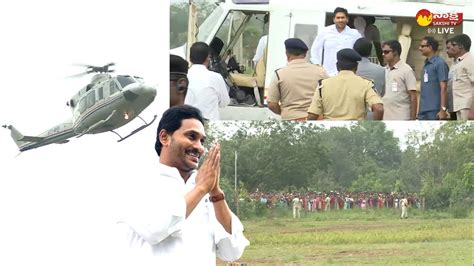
(449, 50)
(455, 49)
(424, 48)
(186, 145)
(388, 56)
(340, 20)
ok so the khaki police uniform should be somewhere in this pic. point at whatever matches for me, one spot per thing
(463, 90)
(399, 80)
(344, 97)
(294, 86)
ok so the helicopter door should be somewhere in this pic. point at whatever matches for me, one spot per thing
(86, 102)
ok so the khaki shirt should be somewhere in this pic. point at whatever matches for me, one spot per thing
(294, 88)
(463, 77)
(344, 97)
(396, 100)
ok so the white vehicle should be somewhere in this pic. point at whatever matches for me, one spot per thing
(305, 18)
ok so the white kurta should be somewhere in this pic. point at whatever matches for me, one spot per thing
(157, 231)
(207, 91)
(331, 41)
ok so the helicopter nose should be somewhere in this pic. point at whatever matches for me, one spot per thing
(133, 91)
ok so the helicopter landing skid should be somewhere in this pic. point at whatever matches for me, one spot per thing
(136, 130)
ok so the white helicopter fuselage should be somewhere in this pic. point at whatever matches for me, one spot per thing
(105, 104)
(110, 104)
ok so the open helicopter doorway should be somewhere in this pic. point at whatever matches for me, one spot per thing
(239, 53)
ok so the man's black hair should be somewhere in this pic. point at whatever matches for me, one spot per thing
(296, 52)
(431, 42)
(199, 52)
(369, 20)
(346, 66)
(340, 9)
(463, 40)
(172, 120)
(394, 45)
(216, 46)
(363, 46)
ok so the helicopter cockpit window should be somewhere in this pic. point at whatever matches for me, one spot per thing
(113, 88)
(231, 29)
(208, 24)
(124, 81)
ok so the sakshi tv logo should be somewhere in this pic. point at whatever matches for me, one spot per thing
(438, 23)
(425, 18)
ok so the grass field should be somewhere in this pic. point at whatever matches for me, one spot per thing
(359, 237)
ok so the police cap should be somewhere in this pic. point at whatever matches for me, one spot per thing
(348, 56)
(296, 44)
(178, 66)
(347, 59)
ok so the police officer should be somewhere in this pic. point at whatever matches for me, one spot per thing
(346, 95)
(178, 80)
(293, 86)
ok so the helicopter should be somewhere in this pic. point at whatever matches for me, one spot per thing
(105, 104)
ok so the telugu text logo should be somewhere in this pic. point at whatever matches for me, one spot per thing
(425, 18)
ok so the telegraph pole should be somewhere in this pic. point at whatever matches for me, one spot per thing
(236, 193)
(192, 25)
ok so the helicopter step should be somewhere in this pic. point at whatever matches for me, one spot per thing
(136, 130)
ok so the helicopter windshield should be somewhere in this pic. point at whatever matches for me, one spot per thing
(124, 81)
(207, 26)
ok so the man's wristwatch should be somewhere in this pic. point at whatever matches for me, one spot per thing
(217, 197)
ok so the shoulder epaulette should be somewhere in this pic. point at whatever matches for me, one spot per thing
(278, 77)
(372, 82)
(276, 73)
(320, 88)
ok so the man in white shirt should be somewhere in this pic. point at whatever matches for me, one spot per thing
(332, 39)
(180, 216)
(207, 90)
(262, 44)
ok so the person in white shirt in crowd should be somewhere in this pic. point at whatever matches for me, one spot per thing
(404, 204)
(180, 216)
(332, 39)
(296, 207)
(207, 90)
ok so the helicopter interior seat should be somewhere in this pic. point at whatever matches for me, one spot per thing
(255, 81)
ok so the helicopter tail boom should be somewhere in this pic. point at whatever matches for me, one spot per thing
(19, 138)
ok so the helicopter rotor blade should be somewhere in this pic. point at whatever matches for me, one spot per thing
(79, 75)
(82, 65)
(93, 69)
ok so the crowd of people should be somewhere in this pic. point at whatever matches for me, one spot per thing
(329, 201)
(339, 82)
